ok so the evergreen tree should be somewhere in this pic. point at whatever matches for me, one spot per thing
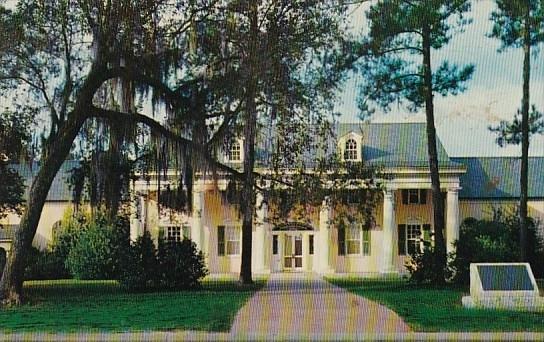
(520, 24)
(397, 67)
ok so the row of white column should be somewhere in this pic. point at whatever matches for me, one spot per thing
(389, 226)
(322, 262)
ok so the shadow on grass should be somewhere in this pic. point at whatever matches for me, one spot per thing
(438, 308)
(90, 306)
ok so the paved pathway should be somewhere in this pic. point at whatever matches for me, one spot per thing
(303, 305)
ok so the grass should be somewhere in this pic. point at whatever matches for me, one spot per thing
(428, 308)
(73, 305)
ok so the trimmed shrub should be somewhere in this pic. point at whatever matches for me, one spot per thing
(97, 249)
(181, 265)
(495, 240)
(423, 267)
(139, 266)
(44, 265)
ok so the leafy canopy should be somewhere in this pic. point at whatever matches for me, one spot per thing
(391, 57)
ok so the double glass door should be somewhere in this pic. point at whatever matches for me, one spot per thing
(292, 252)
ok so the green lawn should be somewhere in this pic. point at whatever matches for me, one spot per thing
(427, 308)
(71, 305)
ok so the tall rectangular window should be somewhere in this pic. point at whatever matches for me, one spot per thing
(275, 244)
(232, 240)
(311, 244)
(353, 239)
(413, 238)
(228, 240)
(366, 242)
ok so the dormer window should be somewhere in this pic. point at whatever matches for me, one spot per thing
(350, 152)
(235, 152)
(350, 147)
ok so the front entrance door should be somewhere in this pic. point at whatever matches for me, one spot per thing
(292, 252)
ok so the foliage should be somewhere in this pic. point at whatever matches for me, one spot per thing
(511, 133)
(351, 188)
(494, 240)
(181, 265)
(520, 24)
(41, 265)
(14, 138)
(173, 266)
(92, 246)
(424, 268)
(139, 266)
(68, 231)
(393, 73)
(396, 60)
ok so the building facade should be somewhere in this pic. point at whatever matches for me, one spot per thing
(472, 187)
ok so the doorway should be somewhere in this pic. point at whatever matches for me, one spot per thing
(292, 252)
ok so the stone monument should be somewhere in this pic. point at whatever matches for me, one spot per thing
(507, 286)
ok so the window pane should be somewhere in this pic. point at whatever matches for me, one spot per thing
(274, 244)
(233, 247)
(413, 196)
(353, 246)
(186, 232)
(232, 240)
(366, 242)
(311, 244)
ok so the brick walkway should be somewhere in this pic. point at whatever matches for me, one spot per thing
(302, 305)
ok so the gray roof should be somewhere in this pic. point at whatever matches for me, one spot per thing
(396, 144)
(498, 177)
(60, 188)
(384, 144)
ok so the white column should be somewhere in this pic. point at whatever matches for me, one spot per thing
(196, 227)
(452, 218)
(388, 232)
(259, 248)
(138, 207)
(324, 241)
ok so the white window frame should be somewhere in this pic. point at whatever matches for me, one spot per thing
(233, 240)
(353, 239)
(235, 151)
(412, 238)
(351, 149)
(173, 233)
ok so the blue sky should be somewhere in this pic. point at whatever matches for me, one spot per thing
(493, 94)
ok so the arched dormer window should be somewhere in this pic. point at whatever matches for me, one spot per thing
(235, 152)
(350, 152)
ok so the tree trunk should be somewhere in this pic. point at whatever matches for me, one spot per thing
(114, 175)
(11, 283)
(12, 279)
(437, 200)
(250, 129)
(524, 172)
